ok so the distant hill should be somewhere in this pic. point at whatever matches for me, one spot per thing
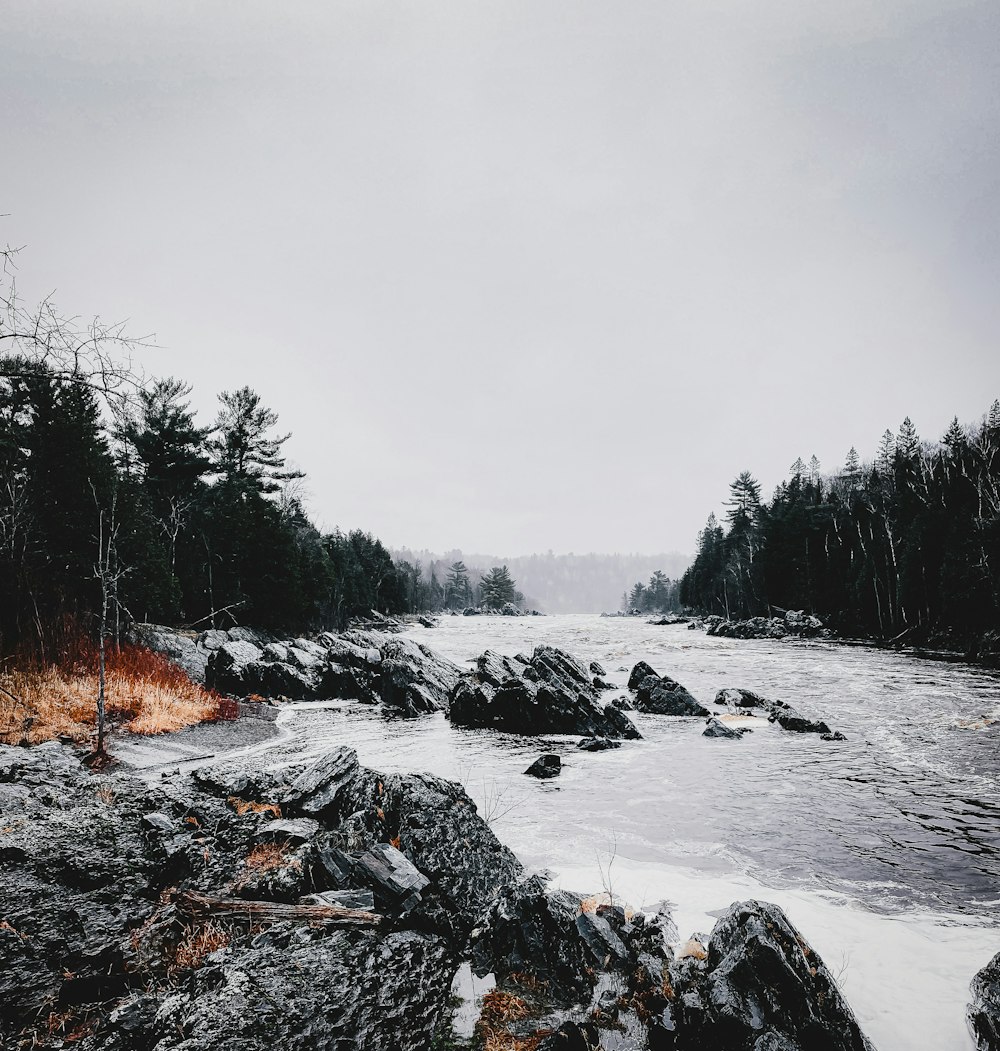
(560, 583)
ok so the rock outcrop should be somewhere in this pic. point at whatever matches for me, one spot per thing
(550, 693)
(371, 666)
(780, 712)
(793, 623)
(760, 988)
(984, 1011)
(661, 695)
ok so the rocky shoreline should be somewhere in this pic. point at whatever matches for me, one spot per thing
(271, 901)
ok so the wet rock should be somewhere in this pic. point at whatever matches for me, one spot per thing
(761, 987)
(984, 1012)
(596, 669)
(391, 875)
(838, 736)
(327, 786)
(294, 830)
(551, 694)
(737, 698)
(529, 931)
(597, 744)
(308, 989)
(606, 947)
(638, 673)
(717, 728)
(573, 1036)
(660, 695)
(545, 766)
(789, 718)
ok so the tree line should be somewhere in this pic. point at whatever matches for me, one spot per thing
(906, 544)
(180, 523)
(660, 595)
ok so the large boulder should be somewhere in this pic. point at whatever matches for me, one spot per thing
(762, 987)
(984, 1011)
(661, 695)
(551, 693)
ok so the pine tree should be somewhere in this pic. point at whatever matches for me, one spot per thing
(852, 467)
(245, 455)
(813, 468)
(954, 437)
(499, 589)
(457, 588)
(886, 452)
(798, 469)
(907, 442)
(744, 498)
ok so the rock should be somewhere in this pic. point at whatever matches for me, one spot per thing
(596, 669)
(788, 718)
(597, 744)
(294, 830)
(737, 698)
(183, 649)
(553, 693)
(545, 766)
(838, 736)
(717, 728)
(638, 673)
(327, 787)
(984, 1012)
(762, 987)
(529, 931)
(607, 949)
(573, 1036)
(227, 668)
(660, 695)
(391, 875)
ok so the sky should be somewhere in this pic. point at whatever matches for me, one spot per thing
(525, 276)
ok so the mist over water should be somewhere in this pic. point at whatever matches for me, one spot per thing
(884, 850)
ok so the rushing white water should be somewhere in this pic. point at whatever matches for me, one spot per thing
(884, 850)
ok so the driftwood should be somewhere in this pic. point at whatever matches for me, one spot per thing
(200, 906)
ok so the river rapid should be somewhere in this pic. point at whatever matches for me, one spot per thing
(883, 850)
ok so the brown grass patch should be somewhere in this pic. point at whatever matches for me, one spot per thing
(265, 857)
(196, 945)
(248, 806)
(144, 694)
(499, 1011)
(692, 947)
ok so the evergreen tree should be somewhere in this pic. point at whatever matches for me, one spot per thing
(457, 588)
(245, 454)
(498, 588)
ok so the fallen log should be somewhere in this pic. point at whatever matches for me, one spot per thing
(197, 906)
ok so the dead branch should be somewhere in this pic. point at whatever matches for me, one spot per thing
(201, 906)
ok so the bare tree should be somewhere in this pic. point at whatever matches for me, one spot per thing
(109, 572)
(96, 354)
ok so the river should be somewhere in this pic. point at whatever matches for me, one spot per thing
(884, 850)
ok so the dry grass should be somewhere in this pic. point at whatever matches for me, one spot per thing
(198, 943)
(594, 901)
(499, 1011)
(145, 694)
(692, 947)
(248, 806)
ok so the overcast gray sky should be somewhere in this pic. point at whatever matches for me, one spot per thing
(526, 275)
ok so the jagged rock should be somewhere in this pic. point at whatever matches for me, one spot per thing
(391, 875)
(182, 648)
(309, 989)
(597, 744)
(761, 988)
(717, 728)
(607, 949)
(788, 718)
(659, 695)
(326, 786)
(530, 931)
(984, 1012)
(838, 736)
(545, 766)
(596, 669)
(294, 830)
(551, 694)
(638, 673)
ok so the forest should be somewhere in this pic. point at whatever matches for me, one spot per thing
(905, 546)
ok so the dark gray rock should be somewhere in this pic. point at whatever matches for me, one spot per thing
(789, 718)
(545, 766)
(573, 1036)
(717, 728)
(738, 698)
(597, 744)
(345, 899)
(837, 736)
(659, 695)
(551, 694)
(638, 673)
(596, 669)
(984, 1012)
(761, 987)
(327, 786)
